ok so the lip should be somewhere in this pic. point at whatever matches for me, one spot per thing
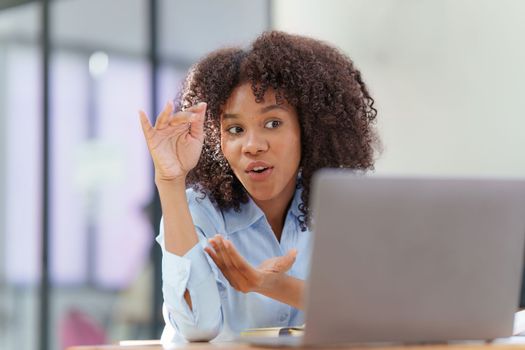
(259, 176)
(256, 164)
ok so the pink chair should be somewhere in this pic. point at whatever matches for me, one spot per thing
(78, 328)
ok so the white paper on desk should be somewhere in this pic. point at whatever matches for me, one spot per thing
(510, 340)
(518, 332)
(519, 323)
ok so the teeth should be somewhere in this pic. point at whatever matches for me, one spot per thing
(259, 168)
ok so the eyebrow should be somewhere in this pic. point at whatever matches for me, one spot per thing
(263, 110)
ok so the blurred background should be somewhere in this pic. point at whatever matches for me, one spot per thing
(78, 212)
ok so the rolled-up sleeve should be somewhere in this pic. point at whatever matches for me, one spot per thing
(192, 272)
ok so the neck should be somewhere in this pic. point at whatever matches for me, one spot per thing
(275, 216)
(275, 209)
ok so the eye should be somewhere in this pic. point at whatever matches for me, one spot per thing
(234, 130)
(272, 124)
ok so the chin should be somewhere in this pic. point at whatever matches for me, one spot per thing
(260, 194)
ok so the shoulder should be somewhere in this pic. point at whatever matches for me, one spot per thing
(196, 197)
(206, 215)
(200, 202)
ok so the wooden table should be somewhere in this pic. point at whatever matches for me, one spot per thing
(155, 345)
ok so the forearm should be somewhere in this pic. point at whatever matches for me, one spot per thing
(208, 323)
(179, 231)
(284, 288)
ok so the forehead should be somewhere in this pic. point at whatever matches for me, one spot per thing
(242, 100)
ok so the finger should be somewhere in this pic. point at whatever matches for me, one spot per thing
(292, 252)
(224, 253)
(239, 262)
(236, 258)
(164, 116)
(209, 250)
(238, 269)
(286, 262)
(212, 255)
(197, 107)
(197, 122)
(145, 124)
(181, 118)
(221, 264)
(215, 255)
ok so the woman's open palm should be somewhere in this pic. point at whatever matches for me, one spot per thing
(175, 142)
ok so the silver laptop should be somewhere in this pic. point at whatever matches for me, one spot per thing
(412, 259)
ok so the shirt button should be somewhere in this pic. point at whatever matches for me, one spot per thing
(283, 317)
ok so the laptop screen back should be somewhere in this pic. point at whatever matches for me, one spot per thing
(414, 259)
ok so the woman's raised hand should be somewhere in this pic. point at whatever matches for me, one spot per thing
(175, 142)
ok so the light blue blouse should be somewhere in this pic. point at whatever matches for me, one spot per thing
(219, 311)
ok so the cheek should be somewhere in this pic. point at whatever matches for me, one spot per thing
(297, 152)
(224, 148)
(296, 146)
(227, 149)
(296, 137)
(290, 151)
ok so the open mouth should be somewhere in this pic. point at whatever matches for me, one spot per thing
(260, 172)
(259, 169)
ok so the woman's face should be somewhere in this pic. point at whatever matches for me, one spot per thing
(262, 143)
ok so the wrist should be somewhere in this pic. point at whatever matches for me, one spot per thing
(179, 181)
(269, 281)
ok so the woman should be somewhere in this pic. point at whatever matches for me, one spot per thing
(251, 129)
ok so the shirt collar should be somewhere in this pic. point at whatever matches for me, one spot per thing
(250, 213)
(294, 207)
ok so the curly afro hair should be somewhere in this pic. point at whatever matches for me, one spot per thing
(335, 109)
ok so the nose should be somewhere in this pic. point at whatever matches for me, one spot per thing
(255, 143)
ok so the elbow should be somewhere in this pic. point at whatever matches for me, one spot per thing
(200, 332)
(203, 330)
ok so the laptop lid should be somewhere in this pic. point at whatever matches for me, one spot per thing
(413, 259)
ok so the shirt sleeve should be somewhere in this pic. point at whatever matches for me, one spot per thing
(195, 272)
